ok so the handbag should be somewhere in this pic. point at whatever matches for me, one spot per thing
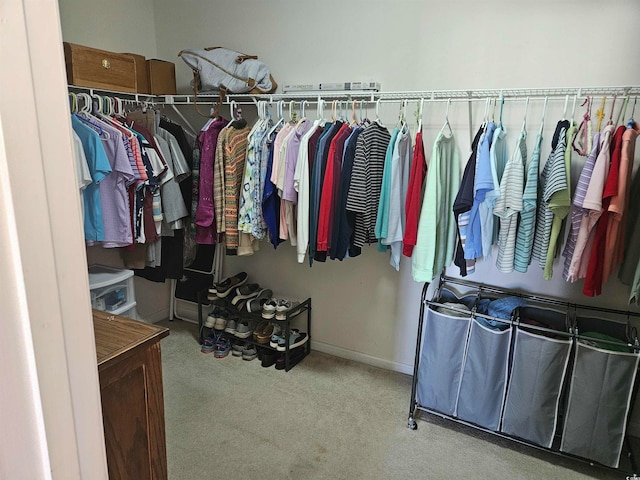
(225, 71)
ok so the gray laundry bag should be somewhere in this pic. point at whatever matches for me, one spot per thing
(538, 370)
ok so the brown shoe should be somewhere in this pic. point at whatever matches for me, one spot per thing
(259, 330)
(265, 335)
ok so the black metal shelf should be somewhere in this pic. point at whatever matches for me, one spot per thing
(304, 306)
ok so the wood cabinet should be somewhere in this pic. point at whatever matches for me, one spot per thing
(130, 371)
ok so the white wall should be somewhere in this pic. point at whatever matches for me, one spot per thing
(362, 306)
(117, 26)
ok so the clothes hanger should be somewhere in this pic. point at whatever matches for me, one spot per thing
(524, 119)
(600, 112)
(613, 105)
(501, 108)
(420, 110)
(446, 121)
(566, 103)
(378, 121)
(631, 121)
(74, 102)
(354, 120)
(493, 112)
(623, 111)
(280, 120)
(485, 118)
(579, 142)
(573, 111)
(544, 111)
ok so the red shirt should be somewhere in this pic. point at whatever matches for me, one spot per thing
(593, 281)
(412, 203)
(331, 181)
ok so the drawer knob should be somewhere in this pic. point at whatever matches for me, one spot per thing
(106, 63)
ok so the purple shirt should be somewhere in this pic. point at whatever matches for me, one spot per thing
(289, 193)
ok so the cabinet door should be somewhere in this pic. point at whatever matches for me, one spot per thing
(133, 415)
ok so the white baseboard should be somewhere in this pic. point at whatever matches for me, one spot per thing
(362, 357)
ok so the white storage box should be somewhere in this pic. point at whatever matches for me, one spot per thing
(112, 290)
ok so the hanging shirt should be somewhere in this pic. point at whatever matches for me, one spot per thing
(559, 203)
(436, 229)
(577, 210)
(366, 182)
(414, 195)
(593, 209)
(302, 187)
(462, 206)
(483, 183)
(594, 278)
(400, 167)
(382, 218)
(344, 221)
(270, 199)
(614, 245)
(83, 175)
(631, 247)
(497, 155)
(235, 151)
(510, 204)
(553, 179)
(251, 177)
(99, 168)
(526, 227)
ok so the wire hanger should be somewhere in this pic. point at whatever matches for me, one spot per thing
(524, 119)
(544, 111)
(613, 106)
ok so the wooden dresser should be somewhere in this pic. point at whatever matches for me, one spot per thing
(130, 370)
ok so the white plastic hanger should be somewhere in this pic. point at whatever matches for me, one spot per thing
(566, 103)
(378, 121)
(524, 120)
(573, 110)
(544, 111)
(446, 120)
(280, 120)
(420, 110)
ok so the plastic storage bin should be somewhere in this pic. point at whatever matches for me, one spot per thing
(112, 290)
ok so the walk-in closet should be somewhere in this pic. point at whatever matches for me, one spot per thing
(412, 254)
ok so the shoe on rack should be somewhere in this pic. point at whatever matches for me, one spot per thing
(221, 319)
(256, 303)
(229, 285)
(222, 348)
(231, 325)
(269, 358)
(243, 329)
(295, 356)
(283, 307)
(208, 345)
(265, 334)
(249, 352)
(269, 308)
(275, 338)
(211, 318)
(259, 328)
(237, 348)
(296, 338)
(244, 292)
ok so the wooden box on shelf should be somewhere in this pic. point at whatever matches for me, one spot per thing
(162, 77)
(142, 74)
(91, 67)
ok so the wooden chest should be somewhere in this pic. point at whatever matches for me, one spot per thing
(162, 77)
(142, 73)
(90, 67)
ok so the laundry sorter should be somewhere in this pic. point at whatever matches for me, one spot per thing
(547, 373)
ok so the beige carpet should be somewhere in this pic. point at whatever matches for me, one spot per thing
(327, 418)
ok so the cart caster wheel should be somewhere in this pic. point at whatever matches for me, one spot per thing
(411, 424)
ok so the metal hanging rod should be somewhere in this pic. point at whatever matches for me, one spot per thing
(383, 97)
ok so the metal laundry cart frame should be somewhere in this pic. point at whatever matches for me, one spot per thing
(573, 307)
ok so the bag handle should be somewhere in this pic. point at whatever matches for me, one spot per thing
(222, 96)
(240, 58)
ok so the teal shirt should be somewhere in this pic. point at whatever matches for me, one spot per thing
(382, 220)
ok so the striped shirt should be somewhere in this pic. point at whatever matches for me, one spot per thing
(366, 181)
(559, 204)
(526, 227)
(510, 203)
(577, 212)
(234, 155)
(553, 179)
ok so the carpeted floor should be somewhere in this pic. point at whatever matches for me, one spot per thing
(327, 418)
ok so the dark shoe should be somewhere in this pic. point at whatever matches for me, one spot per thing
(269, 358)
(295, 356)
(229, 285)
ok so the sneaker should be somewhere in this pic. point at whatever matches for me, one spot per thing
(265, 334)
(294, 358)
(221, 319)
(208, 345)
(275, 338)
(269, 358)
(246, 291)
(256, 303)
(211, 318)
(269, 308)
(222, 348)
(231, 325)
(249, 352)
(228, 285)
(283, 307)
(296, 338)
(243, 330)
(237, 348)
